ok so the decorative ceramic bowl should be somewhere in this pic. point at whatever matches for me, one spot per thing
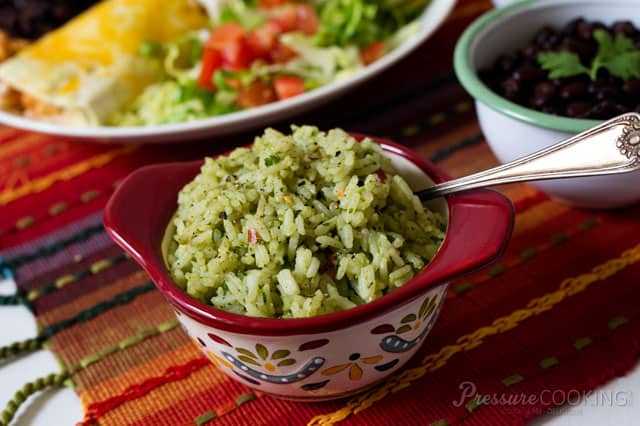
(514, 131)
(327, 356)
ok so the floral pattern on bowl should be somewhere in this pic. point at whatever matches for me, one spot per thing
(332, 365)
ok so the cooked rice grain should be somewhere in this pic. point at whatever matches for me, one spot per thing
(299, 225)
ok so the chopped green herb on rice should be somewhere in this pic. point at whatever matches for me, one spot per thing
(299, 225)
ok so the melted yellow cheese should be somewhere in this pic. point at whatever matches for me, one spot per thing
(90, 67)
(116, 27)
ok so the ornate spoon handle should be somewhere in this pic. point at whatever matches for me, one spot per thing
(610, 148)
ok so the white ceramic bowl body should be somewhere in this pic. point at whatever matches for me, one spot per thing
(513, 131)
(321, 367)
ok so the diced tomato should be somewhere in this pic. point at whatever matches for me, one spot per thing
(267, 4)
(381, 176)
(237, 55)
(252, 236)
(306, 19)
(288, 87)
(329, 268)
(372, 52)
(255, 94)
(211, 61)
(282, 53)
(286, 19)
(301, 18)
(224, 34)
(262, 40)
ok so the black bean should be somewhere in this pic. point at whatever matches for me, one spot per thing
(543, 93)
(573, 91)
(621, 109)
(597, 25)
(550, 109)
(584, 30)
(544, 36)
(519, 77)
(32, 18)
(571, 28)
(624, 27)
(528, 73)
(582, 48)
(511, 88)
(506, 63)
(603, 109)
(531, 51)
(632, 87)
(607, 92)
(578, 109)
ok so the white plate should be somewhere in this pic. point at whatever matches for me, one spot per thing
(433, 16)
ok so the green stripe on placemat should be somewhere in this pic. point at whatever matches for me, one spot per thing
(205, 418)
(474, 403)
(53, 248)
(512, 380)
(60, 282)
(549, 362)
(446, 152)
(582, 343)
(87, 314)
(617, 322)
(37, 342)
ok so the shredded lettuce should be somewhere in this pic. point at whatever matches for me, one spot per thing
(360, 22)
(320, 64)
(172, 102)
(332, 54)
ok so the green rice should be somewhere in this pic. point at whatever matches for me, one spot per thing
(299, 225)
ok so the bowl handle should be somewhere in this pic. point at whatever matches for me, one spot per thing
(480, 226)
(136, 216)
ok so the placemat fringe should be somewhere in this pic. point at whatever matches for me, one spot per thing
(28, 389)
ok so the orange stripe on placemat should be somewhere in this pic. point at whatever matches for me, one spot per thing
(470, 160)
(40, 184)
(538, 214)
(13, 141)
(123, 321)
(568, 288)
(172, 374)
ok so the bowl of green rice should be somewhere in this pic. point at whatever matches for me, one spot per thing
(304, 265)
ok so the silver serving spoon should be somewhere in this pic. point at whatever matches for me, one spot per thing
(610, 148)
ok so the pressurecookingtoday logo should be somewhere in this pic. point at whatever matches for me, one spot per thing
(548, 397)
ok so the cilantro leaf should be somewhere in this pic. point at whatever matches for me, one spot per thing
(561, 64)
(625, 66)
(271, 160)
(617, 55)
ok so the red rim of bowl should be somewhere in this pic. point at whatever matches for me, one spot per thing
(486, 217)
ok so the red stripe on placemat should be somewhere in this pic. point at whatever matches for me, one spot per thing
(97, 409)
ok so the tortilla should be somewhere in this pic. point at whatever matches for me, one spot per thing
(89, 68)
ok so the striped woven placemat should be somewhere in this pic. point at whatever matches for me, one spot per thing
(559, 311)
